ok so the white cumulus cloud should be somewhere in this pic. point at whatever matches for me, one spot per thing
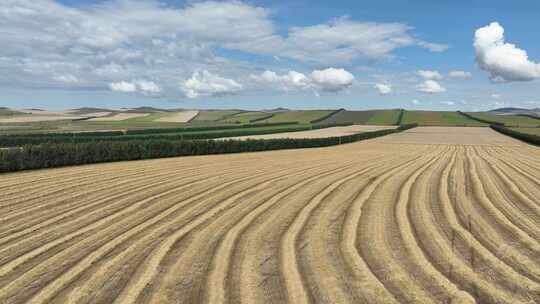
(123, 86)
(495, 96)
(430, 86)
(327, 80)
(332, 80)
(429, 75)
(291, 80)
(206, 84)
(459, 75)
(503, 61)
(383, 88)
(143, 86)
(148, 86)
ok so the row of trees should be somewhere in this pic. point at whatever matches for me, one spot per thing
(51, 155)
(262, 118)
(400, 117)
(209, 128)
(325, 117)
(529, 138)
(17, 141)
(491, 122)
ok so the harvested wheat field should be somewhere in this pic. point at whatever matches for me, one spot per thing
(318, 133)
(120, 117)
(37, 118)
(431, 215)
(184, 116)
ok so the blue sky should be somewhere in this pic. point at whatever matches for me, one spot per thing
(441, 55)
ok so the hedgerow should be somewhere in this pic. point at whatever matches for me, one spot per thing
(400, 117)
(189, 134)
(326, 116)
(49, 155)
(491, 122)
(529, 138)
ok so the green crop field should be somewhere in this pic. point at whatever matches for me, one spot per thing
(432, 118)
(246, 117)
(508, 120)
(211, 115)
(372, 117)
(300, 116)
(383, 117)
(533, 131)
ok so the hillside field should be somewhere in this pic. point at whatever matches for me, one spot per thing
(372, 117)
(305, 116)
(246, 117)
(215, 115)
(508, 120)
(433, 118)
(429, 215)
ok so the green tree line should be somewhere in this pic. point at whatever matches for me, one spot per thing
(528, 138)
(481, 120)
(50, 155)
(190, 134)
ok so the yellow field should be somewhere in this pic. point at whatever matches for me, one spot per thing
(431, 215)
(319, 133)
(184, 116)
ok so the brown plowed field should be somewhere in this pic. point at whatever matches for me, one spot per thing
(431, 215)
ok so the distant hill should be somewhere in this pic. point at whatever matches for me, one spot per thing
(514, 110)
(276, 110)
(146, 110)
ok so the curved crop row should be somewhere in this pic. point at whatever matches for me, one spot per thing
(373, 222)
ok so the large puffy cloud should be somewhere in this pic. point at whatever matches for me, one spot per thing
(129, 39)
(429, 75)
(459, 75)
(327, 80)
(332, 80)
(291, 80)
(206, 84)
(503, 61)
(430, 86)
(383, 88)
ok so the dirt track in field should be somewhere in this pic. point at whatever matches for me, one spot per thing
(398, 219)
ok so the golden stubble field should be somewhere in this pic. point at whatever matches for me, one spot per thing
(431, 215)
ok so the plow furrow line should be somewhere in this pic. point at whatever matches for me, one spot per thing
(113, 204)
(150, 267)
(136, 229)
